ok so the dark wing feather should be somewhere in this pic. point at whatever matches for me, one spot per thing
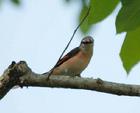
(69, 55)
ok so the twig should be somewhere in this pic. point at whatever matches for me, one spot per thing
(84, 18)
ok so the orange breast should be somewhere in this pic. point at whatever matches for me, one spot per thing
(74, 65)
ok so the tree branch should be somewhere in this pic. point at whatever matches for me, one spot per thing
(20, 74)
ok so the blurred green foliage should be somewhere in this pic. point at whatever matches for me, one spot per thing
(128, 17)
(99, 11)
(128, 20)
(130, 52)
(16, 2)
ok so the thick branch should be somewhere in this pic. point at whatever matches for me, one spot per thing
(20, 74)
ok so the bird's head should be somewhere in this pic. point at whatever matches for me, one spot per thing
(87, 43)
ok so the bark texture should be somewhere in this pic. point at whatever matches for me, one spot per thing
(20, 74)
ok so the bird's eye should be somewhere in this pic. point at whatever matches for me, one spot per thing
(86, 41)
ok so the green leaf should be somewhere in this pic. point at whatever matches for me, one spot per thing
(16, 2)
(130, 51)
(128, 17)
(100, 9)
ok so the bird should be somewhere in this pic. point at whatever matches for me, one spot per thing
(74, 62)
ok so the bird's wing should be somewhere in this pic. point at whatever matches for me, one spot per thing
(69, 55)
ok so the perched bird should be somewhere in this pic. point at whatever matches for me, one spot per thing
(74, 62)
